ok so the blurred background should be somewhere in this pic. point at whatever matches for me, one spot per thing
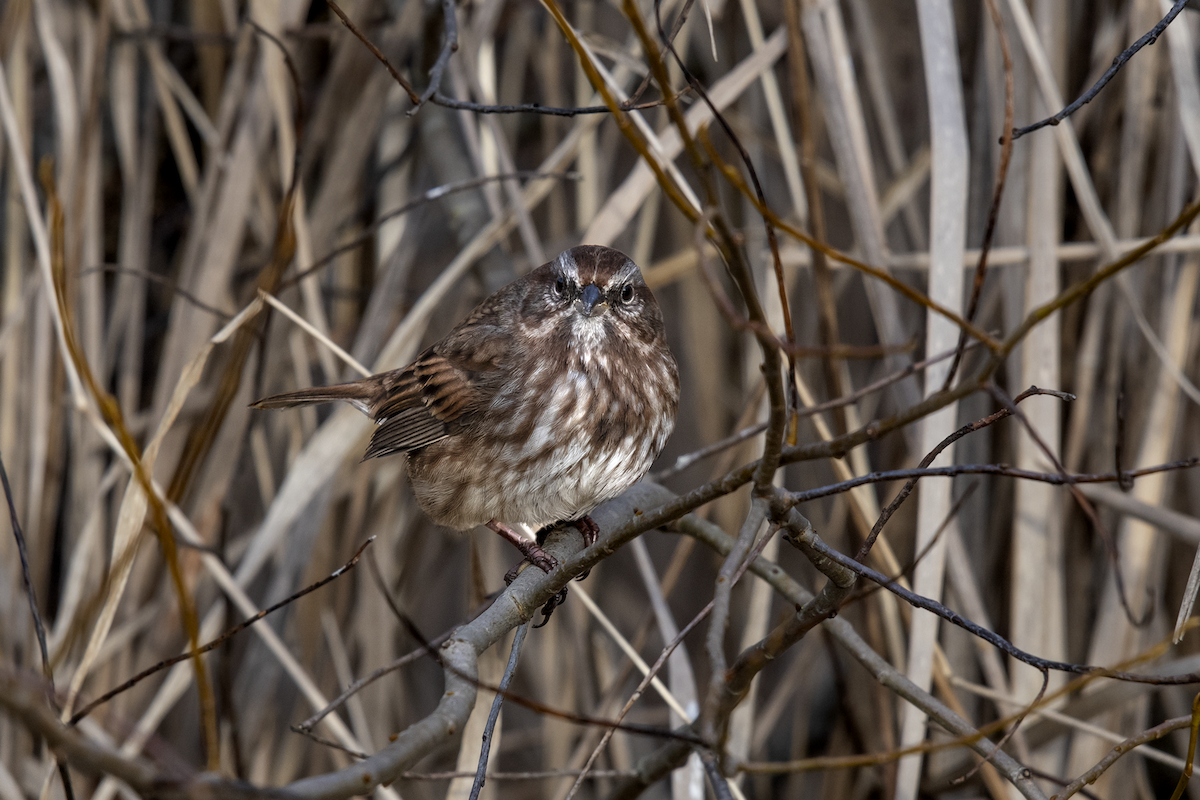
(148, 151)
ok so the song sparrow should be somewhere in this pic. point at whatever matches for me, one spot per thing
(556, 394)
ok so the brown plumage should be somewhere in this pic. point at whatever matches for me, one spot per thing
(555, 394)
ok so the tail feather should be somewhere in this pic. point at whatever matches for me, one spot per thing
(357, 393)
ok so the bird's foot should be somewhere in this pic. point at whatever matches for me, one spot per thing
(591, 531)
(532, 551)
(551, 604)
(588, 527)
(585, 525)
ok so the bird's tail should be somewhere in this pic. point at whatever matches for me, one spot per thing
(357, 393)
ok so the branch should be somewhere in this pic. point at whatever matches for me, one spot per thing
(1054, 478)
(217, 642)
(449, 46)
(494, 714)
(1118, 62)
(809, 542)
(659, 763)
(1154, 734)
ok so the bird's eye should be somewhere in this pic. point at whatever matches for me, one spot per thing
(627, 293)
(560, 285)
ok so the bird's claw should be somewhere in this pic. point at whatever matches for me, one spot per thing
(551, 604)
(542, 560)
(588, 527)
(535, 555)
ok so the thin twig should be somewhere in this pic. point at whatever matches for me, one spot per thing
(1151, 735)
(536, 108)
(163, 281)
(217, 642)
(1186, 776)
(494, 714)
(437, 98)
(449, 47)
(30, 595)
(929, 457)
(686, 460)
(40, 629)
(525, 702)
(1085, 505)
(658, 665)
(989, 233)
(435, 193)
(1037, 701)
(1119, 445)
(396, 76)
(599, 774)
(1053, 478)
(1150, 38)
(933, 540)
(365, 681)
(918, 601)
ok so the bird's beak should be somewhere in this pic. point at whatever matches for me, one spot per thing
(591, 301)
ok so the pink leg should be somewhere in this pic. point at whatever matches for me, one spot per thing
(531, 550)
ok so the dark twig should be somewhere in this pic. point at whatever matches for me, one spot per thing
(1053, 478)
(1118, 62)
(532, 705)
(300, 114)
(1118, 449)
(23, 553)
(989, 233)
(1186, 777)
(217, 642)
(712, 769)
(38, 627)
(363, 682)
(778, 420)
(926, 550)
(686, 460)
(646, 680)
(494, 714)
(891, 508)
(662, 659)
(163, 281)
(675, 29)
(1037, 701)
(435, 193)
(1085, 505)
(449, 46)
(321, 740)
(439, 99)
(812, 542)
(1110, 758)
(599, 774)
(396, 76)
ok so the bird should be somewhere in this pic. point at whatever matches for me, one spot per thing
(554, 395)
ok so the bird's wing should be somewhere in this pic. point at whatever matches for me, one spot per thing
(440, 391)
